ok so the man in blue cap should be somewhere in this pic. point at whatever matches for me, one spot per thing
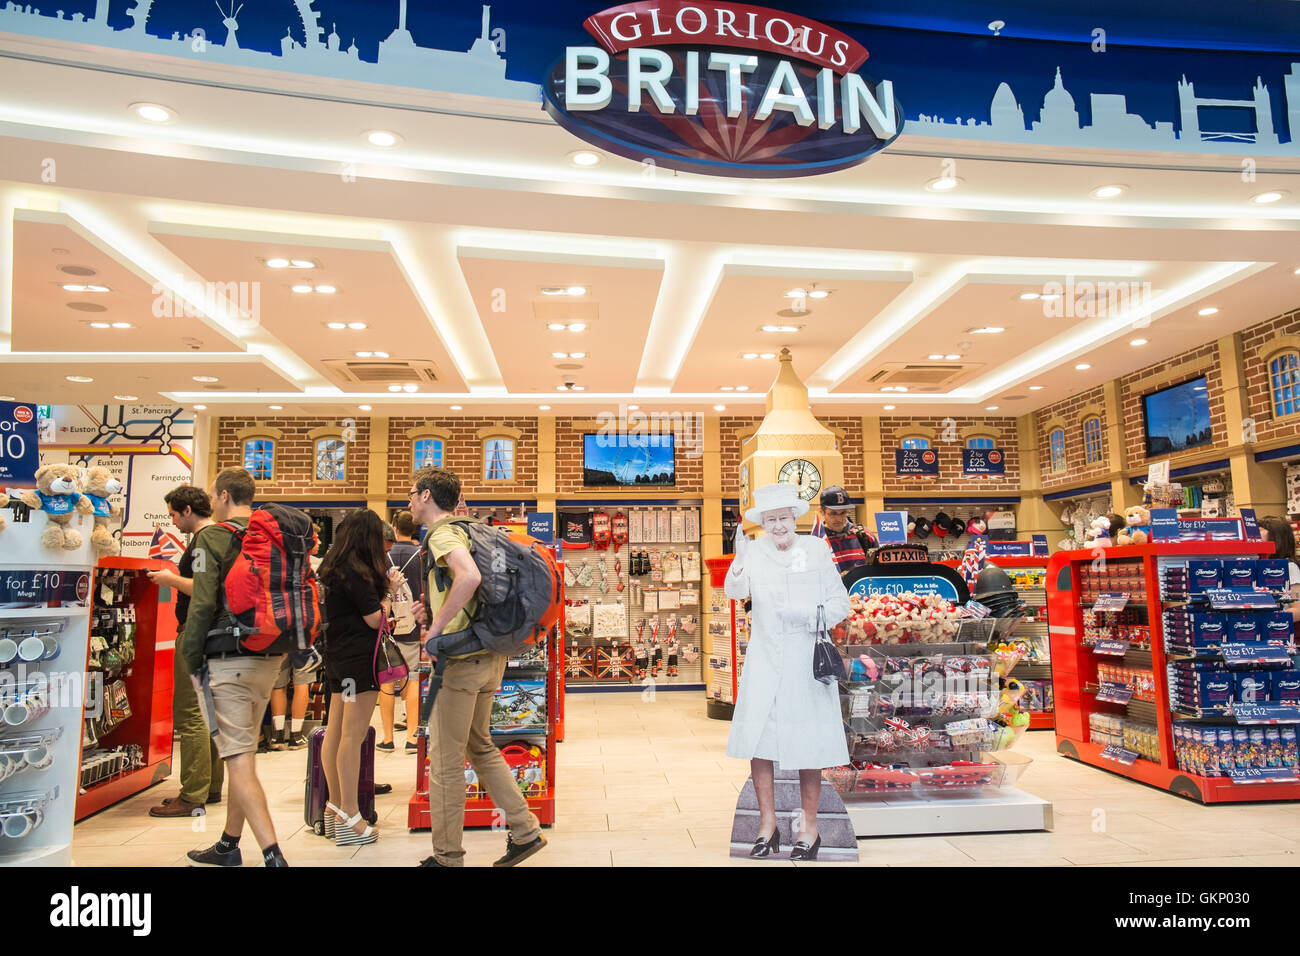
(849, 542)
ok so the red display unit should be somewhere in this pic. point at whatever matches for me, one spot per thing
(149, 682)
(1072, 587)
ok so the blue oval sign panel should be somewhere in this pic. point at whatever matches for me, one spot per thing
(722, 89)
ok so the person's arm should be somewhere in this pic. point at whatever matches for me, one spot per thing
(170, 579)
(736, 583)
(211, 557)
(464, 582)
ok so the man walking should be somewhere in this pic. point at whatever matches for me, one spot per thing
(201, 769)
(461, 723)
(234, 686)
(849, 542)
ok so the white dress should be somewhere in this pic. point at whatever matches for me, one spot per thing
(782, 712)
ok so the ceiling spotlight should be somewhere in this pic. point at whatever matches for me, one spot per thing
(364, 408)
(576, 290)
(276, 408)
(277, 263)
(1082, 367)
(1027, 296)
(152, 112)
(726, 388)
(1036, 388)
(454, 408)
(363, 354)
(890, 408)
(818, 293)
(382, 138)
(560, 355)
(99, 325)
(742, 388)
(394, 388)
(79, 379)
(301, 289)
(990, 408)
(754, 355)
(719, 408)
(1263, 199)
(127, 398)
(1297, 272)
(795, 294)
(584, 157)
(1137, 342)
(555, 290)
(561, 388)
(580, 388)
(633, 408)
(336, 325)
(987, 330)
(543, 408)
(942, 184)
(326, 289)
(1050, 296)
(121, 325)
(936, 356)
(578, 355)
(410, 388)
(767, 355)
(780, 328)
(381, 355)
(997, 26)
(556, 326)
(200, 408)
(358, 326)
(75, 287)
(206, 378)
(1108, 192)
(951, 358)
(577, 326)
(1209, 310)
(303, 263)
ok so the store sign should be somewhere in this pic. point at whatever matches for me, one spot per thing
(983, 461)
(723, 89)
(1164, 524)
(1039, 545)
(1224, 599)
(1266, 713)
(1119, 755)
(921, 585)
(36, 589)
(1251, 523)
(1114, 693)
(1010, 549)
(19, 444)
(1111, 647)
(1261, 775)
(541, 527)
(916, 461)
(891, 527)
(901, 553)
(1111, 601)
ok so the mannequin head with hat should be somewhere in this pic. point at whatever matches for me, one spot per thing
(836, 510)
(776, 508)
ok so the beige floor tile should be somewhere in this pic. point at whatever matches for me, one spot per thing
(1275, 859)
(996, 848)
(676, 839)
(1213, 862)
(571, 822)
(112, 856)
(678, 858)
(668, 820)
(1209, 843)
(919, 851)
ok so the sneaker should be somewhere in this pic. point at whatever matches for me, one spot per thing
(214, 856)
(430, 861)
(389, 747)
(275, 863)
(399, 726)
(297, 741)
(412, 748)
(516, 853)
(279, 741)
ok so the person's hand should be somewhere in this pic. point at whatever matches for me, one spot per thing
(421, 617)
(164, 579)
(792, 618)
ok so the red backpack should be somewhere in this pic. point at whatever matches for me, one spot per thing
(270, 598)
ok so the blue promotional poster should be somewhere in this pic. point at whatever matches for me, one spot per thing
(541, 527)
(983, 461)
(891, 527)
(19, 447)
(916, 461)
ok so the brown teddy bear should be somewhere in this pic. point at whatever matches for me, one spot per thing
(1136, 520)
(58, 494)
(99, 484)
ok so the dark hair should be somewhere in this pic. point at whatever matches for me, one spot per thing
(443, 484)
(1281, 534)
(404, 524)
(187, 496)
(1117, 523)
(239, 483)
(357, 552)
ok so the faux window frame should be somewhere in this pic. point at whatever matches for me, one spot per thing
(499, 432)
(1096, 441)
(318, 436)
(259, 433)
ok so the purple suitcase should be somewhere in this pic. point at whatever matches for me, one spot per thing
(316, 792)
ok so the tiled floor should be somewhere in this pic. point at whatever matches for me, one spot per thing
(648, 783)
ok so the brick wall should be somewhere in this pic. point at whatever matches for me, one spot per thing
(1071, 412)
(463, 454)
(950, 478)
(1160, 375)
(295, 456)
(568, 459)
(1256, 342)
(731, 427)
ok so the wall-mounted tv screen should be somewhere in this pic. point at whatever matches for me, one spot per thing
(1177, 418)
(638, 460)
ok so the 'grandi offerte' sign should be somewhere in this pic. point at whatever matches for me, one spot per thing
(743, 91)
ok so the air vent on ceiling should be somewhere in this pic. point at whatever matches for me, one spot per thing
(369, 371)
(912, 374)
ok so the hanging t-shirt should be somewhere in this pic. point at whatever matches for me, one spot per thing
(576, 529)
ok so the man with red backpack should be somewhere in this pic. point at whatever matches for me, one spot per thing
(460, 724)
(234, 682)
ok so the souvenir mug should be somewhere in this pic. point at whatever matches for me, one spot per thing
(8, 766)
(8, 651)
(18, 825)
(31, 650)
(37, 758)
(27, 708)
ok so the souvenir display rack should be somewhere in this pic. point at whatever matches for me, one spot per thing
(727, 636)
(1092, 724)
(128, 748)
(633, 611)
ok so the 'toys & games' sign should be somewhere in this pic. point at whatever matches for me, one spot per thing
(724, 89)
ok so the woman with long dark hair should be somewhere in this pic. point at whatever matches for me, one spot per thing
(1278, 530)
(358, 586)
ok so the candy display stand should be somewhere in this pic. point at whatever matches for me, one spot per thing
(46, 595)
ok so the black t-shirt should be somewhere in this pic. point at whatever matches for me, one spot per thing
(346, 605)
(405, 555)
(185, 568)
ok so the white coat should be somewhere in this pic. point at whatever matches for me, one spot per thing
(782, 712)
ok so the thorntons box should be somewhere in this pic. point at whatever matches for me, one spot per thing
(1275, 626)
(1286, 686)
(1272, 574)
(1252, 688)
(1204, 575)
(1242, 627)
(1213, 693)
(1239, 573)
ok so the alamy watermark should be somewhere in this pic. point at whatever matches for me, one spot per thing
(239, 301)
(635, 429)
(1086, 299)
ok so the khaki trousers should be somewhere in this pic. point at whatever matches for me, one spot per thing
(202, 771)
(460, 729)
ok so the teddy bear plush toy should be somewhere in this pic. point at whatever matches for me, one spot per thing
(99, 484)
(1098, 533)
(58, 494)
(1136, 520)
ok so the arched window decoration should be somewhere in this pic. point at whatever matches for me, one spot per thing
(1057, 442)
(428, 453)
(1284, 379)
(1092, 440)
(499, 459)
(331, 459)
(912, 443)
(259, 458)
(979, 443)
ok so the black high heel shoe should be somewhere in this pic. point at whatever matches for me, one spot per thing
(765, 848)
(802, 851)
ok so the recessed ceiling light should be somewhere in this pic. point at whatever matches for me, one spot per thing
(543, 408)
(1210, 310)
(381, 355)
(742, 388)
(555, 290)
(1108, 192)
(795, 294)
(121, 325)
(75, 287)
(336, 325)
(555, 326)
(943, 184)
(935, 356)
(410, 388)
(358, 326)
(1050, 296)
(987, 330)
(302, 289)
(394, 388)
(780, 328)
(577, 290)
(1297, 272)
(726, 388)
(1027, 296)
(303, 263)
(276, 408)
(767, 355)
(1036, 388)
(754, 355)
(277, 263)
(79, 379)
(454, 408)
(890, 408)
(559, 355)
(584, 157)
(127, 398)
(580, 388)
(99, 325)
(206, 378)
(578, 355)
(326, 289)
(577, 326)
(153, 112)
(561, 388)
(719, 408)
(990, 408)
(1263, 199)
(1082, 367)
(819, 293)
(362, 354)
(951, 358)
(382, 138)
(364, 408)
(1137, 342)
(200, 408)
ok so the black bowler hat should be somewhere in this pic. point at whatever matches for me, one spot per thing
(835, 498)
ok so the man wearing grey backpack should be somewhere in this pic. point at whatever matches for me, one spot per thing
(460, 726)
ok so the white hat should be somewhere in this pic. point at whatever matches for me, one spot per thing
(774, 497)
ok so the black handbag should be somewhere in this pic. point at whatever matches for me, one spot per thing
(828, 666)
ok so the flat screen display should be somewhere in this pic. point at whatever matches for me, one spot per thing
(646, 461)
(1177, 418)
